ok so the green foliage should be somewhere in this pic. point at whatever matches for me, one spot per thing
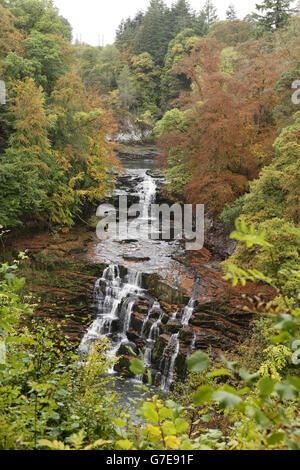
(174, 120)
(40, 15)
(46, 394)
(276, 14)
(273, 207)
(232, 211)
(55, 155)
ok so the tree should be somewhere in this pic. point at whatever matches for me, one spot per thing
(46, 59)
(173, 83)
(11, 40)
(182, 16)
(83, 152)
(39, 15)
(273, 206)
(231, 13)
(146, 79)
(215, 146)
(276, 14)
(155, 33)
(127, 89)
(100, 68)
(28, 166)
(209, 13)
(232, 32)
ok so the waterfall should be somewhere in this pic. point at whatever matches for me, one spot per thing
(152, 338)
(155, 306)
(193, 343)
(148, 190)
(167, 364)
(188, 312)
(110, 292)
(174, 315)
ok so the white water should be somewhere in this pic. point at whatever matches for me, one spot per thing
(188, 312)
(109, 293)
(193, 344)
(115, 296)
(155, 306)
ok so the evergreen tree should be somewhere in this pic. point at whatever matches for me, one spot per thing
(209, 13)
(182, 16)
(155, 33)
(231, 14)
(275, 14)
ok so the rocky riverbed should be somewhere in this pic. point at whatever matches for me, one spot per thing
(145, 295)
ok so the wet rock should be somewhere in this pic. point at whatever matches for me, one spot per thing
(159, 348)
(123, 350)
(136, 259)
(181, 365)
(123, 366)
(137, 321)
(186, 335)
(163, 291)
(173, 327)
(156, 174)
(141, 308)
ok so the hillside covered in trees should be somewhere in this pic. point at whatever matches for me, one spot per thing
(221, 100)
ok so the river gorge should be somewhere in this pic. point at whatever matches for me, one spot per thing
(144, 295)
(150, 300)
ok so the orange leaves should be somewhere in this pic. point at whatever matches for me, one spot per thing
(218, 144)
(11, 40)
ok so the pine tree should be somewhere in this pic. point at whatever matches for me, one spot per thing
(209, 12)
(231, 14)
(182, 16)
(155, 32)
(276, 14)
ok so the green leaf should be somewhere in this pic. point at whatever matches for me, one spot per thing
(281, 338)
(119, 422)
(258, 415)
(266, 386)
(230, 365)
(137, 367)
(165, 413)
(150, 414)
(181, 425)
(286, 323)
(169, 428)
(198, 362)
(219, 373)
(286, 391)
(203, 395)
(227, 399)
(250, 379)
(295, 381)
(124, 445)
(275, 438)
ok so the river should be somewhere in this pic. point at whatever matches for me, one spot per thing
(165, 327)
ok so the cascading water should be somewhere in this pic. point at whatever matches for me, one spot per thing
(193, 344)
(167, 365)
(188, 312)
(109, 293)
(115, 295)
(155, 306)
